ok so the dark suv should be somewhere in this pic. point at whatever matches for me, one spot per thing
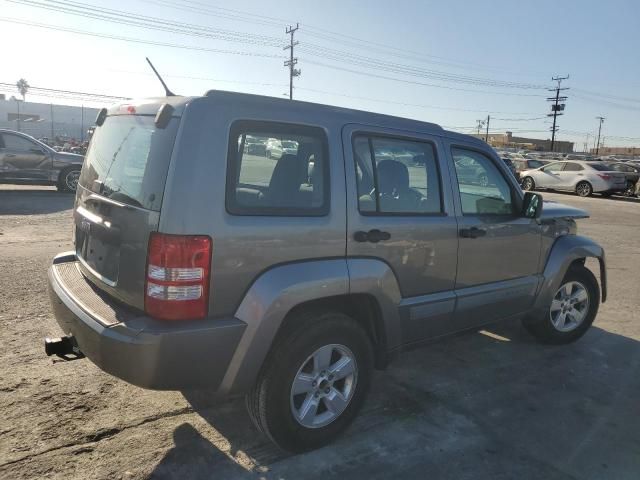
(199, 262)
(25, 160)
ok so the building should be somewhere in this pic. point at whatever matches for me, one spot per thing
(622, 151)
(45, 119)
(507, 140)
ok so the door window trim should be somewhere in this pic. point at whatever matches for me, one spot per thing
(370, 135)
(516, 194)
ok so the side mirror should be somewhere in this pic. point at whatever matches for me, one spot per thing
(532, 205)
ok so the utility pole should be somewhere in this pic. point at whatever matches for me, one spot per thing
(480, 125)
(601, 119)
(291, 63)
(51, 104)
(486, 136)
(557, 108)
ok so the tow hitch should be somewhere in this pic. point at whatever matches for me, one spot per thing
(63, 347)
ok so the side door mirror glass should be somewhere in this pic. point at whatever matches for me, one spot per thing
(532, 205)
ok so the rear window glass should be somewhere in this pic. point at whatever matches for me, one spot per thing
(128, 160)
(601, 167)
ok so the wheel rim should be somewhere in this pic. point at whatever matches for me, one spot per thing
(569, 307)
(528, 184)
(583, 190)
(71, 180)
(324, 386)
(631, 189)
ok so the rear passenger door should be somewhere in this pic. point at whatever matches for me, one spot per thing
(570, 175)
(400, 212)
(499, 249)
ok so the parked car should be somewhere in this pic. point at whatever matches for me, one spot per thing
(522, 164)
(277, 148)
(631, 173)
(25, 160)
(584, 178)
(197, 265)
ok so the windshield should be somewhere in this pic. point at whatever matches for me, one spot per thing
(128, 159)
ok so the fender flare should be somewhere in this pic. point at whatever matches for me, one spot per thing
(263, 308)
(278, 290)
(566, 250)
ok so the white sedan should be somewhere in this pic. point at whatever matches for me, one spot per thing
(584, 178)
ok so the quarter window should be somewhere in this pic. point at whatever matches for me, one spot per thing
(396, 176)
(483, 189)
(277, 169)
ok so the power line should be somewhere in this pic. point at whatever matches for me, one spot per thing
(134, 40)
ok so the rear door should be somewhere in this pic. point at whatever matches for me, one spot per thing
(570, 175)
(498, 249)
(118, 202)
(23, 159)
(400, 212)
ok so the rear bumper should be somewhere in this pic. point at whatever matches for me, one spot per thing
(136, 348)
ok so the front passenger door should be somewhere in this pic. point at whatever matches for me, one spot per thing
(22, 159)
(550, 177)
(498, 249)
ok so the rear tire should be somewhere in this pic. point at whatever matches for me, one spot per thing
(584, 189)
(528, 184)
(297, 359)
(551, 328)
(630, 190)
(68, 179)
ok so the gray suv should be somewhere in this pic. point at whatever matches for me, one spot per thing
(200, 263)
(25, 160)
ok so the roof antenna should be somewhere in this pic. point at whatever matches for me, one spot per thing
(167, 92)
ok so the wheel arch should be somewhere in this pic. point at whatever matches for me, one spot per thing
(364, 289)
(566, 251)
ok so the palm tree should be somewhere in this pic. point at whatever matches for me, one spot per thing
(23, 87)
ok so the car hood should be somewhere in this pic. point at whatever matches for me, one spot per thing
(551, 209)
(69, 157)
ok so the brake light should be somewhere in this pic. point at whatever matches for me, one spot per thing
(177, 281)
(604, 176)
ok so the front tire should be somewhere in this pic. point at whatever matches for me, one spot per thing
(572, 311)
(313, 382)
(68, 179)
(528, 184)
(584, 189)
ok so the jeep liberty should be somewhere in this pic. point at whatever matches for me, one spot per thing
(205, 257)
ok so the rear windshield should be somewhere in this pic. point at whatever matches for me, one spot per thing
(602, 167)
(128, 159)
(535, 164)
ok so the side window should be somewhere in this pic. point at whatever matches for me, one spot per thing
(14, 142)
(483, 188)
(277, 169)
(554, 167)
(396, 176)
(572, 167)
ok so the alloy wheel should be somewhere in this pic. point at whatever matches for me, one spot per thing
(71, 180)
(324, 386)
(569, 307)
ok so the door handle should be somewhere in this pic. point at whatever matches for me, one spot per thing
(472, 232)
(372, 236)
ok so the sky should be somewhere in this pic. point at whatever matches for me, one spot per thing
(450, 63)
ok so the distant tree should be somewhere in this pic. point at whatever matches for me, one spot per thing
(23, 87)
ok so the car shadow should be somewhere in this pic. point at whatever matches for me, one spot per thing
(34, 201)
(493, 404)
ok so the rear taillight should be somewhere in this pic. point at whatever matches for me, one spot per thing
(178, 269)
(604, 176)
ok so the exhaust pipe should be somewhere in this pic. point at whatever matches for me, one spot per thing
(61, 347)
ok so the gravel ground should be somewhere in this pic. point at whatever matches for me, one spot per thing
(487, 405)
